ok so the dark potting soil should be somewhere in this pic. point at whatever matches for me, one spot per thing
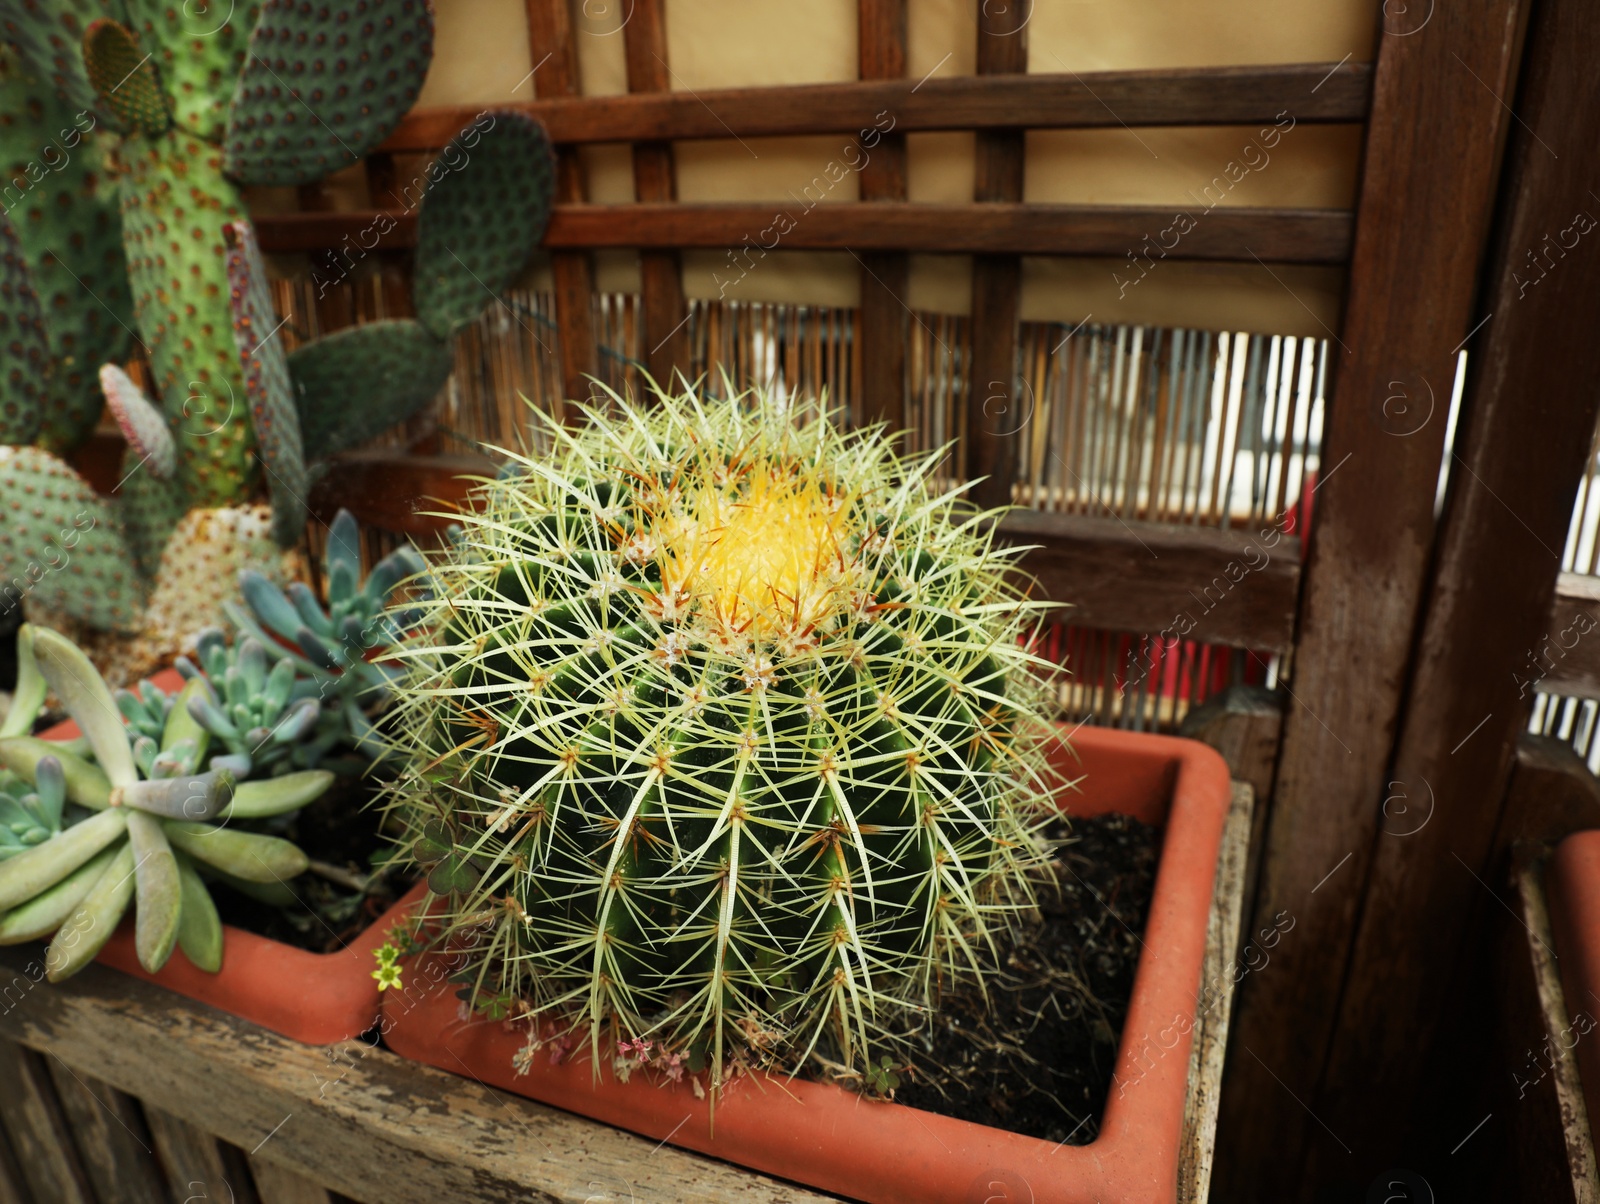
(340, 830)
(1036, 1056)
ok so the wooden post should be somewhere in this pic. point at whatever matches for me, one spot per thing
(664, 329)
(553, 45)
(1429, 173)
(995, 412)
(881, 320)
(1528, 420)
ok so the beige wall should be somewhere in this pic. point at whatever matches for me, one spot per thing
(482, 56)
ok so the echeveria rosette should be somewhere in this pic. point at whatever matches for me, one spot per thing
(723, 732)
(268, 719)
(144, 836)
(338, 646)
(30, 812)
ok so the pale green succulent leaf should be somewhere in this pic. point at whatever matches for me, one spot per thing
(49, 909)
(27, 699)
(199, 925)
(275, 796)
(197, 797)
(83, 692)
(246, 855)
(41, 867)
(84, 933)
(159, 891)
(181, 725)
(86, 783)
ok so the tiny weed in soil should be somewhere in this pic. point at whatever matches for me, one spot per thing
(1036, 1056)
(339, 830)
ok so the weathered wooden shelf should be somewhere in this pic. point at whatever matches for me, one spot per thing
(1172, 96)
(1230, 233)
(114, 1090)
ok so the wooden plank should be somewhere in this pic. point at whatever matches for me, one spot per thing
(1170, 579)
(278, 1184)
(113, 1144)
(1566, 658)
(552, 45)
(883, 313)
(1232, 234)
(198, 1165)
(1428, 188)
(1197, 1145)
(13, 1188)
(664, 316)
(1528, 420)
(1549, 1153)
(380, 1129)
(1551, 795)
(1245, 725)
(1181, 96)
(34, 1122)
(993, 403)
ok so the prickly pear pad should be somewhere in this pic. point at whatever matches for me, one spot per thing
(724, 735)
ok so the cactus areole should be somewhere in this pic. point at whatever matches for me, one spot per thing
(724, 735)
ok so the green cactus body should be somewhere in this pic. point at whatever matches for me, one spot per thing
(63, 543)
(268, 392)
(324, 84)
(24, 350)
(126, 79)
(725, 730)
(150, 509)
(200, 50)
(56, 191)
(175, 201)
(187, 103)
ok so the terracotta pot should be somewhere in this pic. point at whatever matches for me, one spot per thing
(1572, 892)
(821, 1135)
(318, 998)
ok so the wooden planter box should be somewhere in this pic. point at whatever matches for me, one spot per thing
(114, 1089)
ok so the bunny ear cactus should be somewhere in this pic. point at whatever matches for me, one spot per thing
(485, 208)
(143, 838)
(723, 732)
(196, 103)
(183, 101)
(56, 194)
(268, 392)
(24, 348)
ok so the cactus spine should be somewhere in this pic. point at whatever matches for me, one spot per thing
(725, 735)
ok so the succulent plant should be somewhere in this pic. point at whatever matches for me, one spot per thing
(722, 732)
(171, 110)
(301, 681)
(30, 812)
(145, 835)
(145, 709)
(265, 723)
(335, 645)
